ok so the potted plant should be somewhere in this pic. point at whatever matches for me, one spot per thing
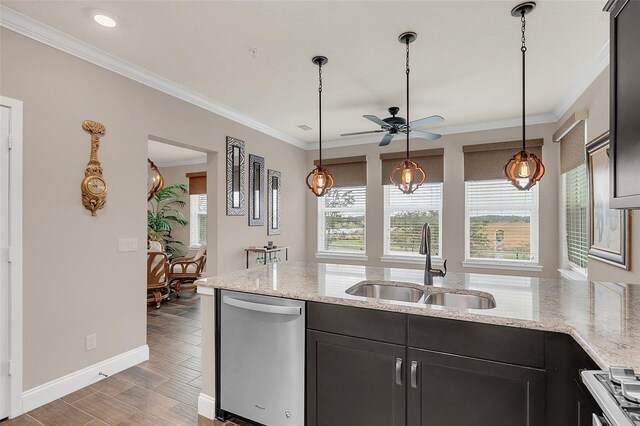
(165, 212)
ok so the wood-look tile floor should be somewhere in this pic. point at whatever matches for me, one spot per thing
(161, 391)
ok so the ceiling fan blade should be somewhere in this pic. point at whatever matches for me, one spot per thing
(362, 133)
(424, 135)
(416, 124)
(387, 139)
(376, 120)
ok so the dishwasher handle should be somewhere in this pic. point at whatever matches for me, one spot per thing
(262, 307)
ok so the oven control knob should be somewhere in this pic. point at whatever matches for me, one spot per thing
(287, 414)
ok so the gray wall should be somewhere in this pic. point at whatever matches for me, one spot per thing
(453, 215)
(596, 101)
(75, 281)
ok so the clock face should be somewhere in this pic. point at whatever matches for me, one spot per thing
(96, 185)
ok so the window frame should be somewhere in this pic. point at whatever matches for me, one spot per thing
(568, 265)
(194, 221)
(387, 254)
(505, 264)
(320, 243)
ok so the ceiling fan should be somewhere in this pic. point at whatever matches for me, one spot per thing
(394, 125)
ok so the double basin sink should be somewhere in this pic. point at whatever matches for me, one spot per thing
(405, 292)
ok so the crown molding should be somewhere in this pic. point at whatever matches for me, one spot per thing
(446, 130)
(182, 163)
(39, 31)
(36, 30)
(580, 85)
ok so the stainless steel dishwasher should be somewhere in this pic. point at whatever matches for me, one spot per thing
(262, 350)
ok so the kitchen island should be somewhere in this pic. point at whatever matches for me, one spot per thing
(602, 318)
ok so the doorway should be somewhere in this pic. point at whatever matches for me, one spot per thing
(173, 315)
(177, 217)
(10, 257)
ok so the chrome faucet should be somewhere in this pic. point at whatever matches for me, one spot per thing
(425, 248)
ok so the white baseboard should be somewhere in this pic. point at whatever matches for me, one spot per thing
(43, 394)
(207, 406)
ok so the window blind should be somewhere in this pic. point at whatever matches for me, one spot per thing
(572, 148)
(404, 216)
(341, 220)
(347, 171)
(501, 221)
(487, 160)
(198, 219)
(197, 183)
(575, 204)
(431, 160)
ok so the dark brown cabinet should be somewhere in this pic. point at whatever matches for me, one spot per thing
(368, 367)
(624, 154)
(353, 381)
(453, 390)
(587, 407)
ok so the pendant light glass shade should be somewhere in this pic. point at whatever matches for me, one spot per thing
(524, 169)
(320, 180)
(408, 176)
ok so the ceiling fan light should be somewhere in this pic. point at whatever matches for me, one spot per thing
(408, 176)
(524, 170)
(320, 181)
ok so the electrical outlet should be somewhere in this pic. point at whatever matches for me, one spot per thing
(91, 342)
(127, 244)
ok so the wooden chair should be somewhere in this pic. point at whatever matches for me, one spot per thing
(186, 270)
(157, 277)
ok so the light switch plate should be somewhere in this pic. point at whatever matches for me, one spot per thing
(91, 342)
(127, 244)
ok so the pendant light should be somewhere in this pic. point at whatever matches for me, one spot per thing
(524, 169)
(319, 180)
(408, 175)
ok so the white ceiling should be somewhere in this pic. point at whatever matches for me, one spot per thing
(165, 155)
(465, 63)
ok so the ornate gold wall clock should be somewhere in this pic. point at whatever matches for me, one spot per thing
(93, 186)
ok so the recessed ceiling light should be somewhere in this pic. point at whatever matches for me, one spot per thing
(103, 19)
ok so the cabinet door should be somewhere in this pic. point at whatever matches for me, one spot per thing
(445, 389)
(352, 381)
(587, 407)
(625, 86)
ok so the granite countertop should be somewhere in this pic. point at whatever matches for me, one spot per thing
(604, 318)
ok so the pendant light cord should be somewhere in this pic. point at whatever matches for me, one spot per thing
(407, 71)
(320, 112)
(523, 48)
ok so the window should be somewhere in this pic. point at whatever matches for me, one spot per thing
(198, 220)
(501, 222)
(341, 220)
(574, 184)
(404, 216)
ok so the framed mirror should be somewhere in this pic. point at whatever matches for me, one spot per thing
(155, 181)
(235, 177)
(256, 190)
(274, 187)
